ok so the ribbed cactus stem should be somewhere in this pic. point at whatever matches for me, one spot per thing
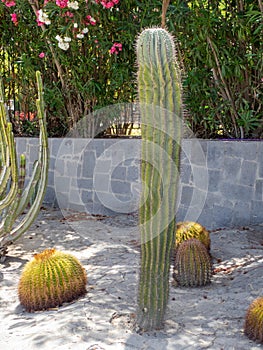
(159, 90)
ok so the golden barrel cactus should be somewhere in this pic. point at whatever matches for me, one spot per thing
(50, 279)
(190, 229)
(192, 265)
(253, 327)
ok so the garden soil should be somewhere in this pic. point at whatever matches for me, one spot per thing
(210, 317)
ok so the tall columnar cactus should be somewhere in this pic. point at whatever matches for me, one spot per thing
(51, 279)
(159, 90)
(190, 229)
(253, 327)
(192, 265)
(14, 196)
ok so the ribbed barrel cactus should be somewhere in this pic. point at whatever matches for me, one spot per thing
(192, 265)
(14, 195)
(253, 327)
(159, 91)
(50, 279)
(190, 229)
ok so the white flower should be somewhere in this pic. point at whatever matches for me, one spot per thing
(43, 17)
(85, 30)
(80, 36)
(67, 39)
(75, 25)
(58, 38)
(62, 45)
(73, 5)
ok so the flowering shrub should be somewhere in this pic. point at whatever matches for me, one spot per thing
(84, 49)
(71, 16)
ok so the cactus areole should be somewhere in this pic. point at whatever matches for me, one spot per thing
(159, 92)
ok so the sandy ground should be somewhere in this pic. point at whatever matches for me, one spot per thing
(210, 317)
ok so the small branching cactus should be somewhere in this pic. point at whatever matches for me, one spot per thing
(192, 266)
(50, 279)
(15, 194)
(253, 327)
(190, 229)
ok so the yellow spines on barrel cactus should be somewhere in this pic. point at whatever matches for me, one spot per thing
(253, 327)
(192, 265)
(50, 279)
(190, 229)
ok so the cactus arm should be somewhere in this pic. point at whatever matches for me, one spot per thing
(4, 149)
(32, 213)
(159, 90)
(39, 178)
(29, 190)
(22, 199)
(12, 213)
(14, 173)
(4, 177)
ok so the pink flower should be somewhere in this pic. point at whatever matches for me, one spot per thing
(107, 3)
(41, 55)
(116, 48)
(119, 46)
(90, 20)
(9, 3)
(68, 14)
(14, 18)
(62, 3)
(113, 50)
(39, 23)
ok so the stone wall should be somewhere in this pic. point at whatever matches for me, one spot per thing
(221, 182)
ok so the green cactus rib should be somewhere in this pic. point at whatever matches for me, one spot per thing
(18, 197)
(159, 90)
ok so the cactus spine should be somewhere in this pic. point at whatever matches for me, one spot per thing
(189, 229)
(51, 279)
(253, 327)
(159, 90)
(192, 266)
(14, 197)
